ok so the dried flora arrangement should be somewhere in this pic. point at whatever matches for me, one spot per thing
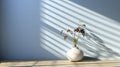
(75, 34)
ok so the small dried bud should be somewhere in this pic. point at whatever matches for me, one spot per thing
(83, 32)
(68, 30)
(65, 37)
(77, 29)
(84, 25)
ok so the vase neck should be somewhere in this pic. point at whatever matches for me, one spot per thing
(75, 44)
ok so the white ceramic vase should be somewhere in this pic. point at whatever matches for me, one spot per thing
(75, 54)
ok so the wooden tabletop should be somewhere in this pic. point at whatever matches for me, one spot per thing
(61, 63)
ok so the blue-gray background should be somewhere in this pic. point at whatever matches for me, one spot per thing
(21, 27)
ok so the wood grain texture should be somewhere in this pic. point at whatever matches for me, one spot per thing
(61, 63)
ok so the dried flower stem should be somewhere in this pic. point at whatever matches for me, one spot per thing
(75, 34)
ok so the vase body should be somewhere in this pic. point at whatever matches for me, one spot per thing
(75, 54)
